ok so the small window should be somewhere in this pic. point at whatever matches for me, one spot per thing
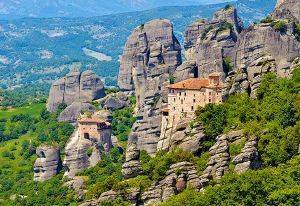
(194, 100)
(181, 101)
(174, 99)
(194, 95)
(179, 93)
(174, 108)
(184, 93)
(192, 108)
(182, 110)
(209, 100)
(209, 93)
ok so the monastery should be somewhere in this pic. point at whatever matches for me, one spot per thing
(186, 96)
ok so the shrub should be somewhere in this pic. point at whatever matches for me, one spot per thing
(227, 64)
(280, 26)
(268, 19)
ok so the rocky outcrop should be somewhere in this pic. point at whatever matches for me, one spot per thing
(178, 177)
(77, 184)
(72, 112)
(132, 166)
(260, 49)
(287, 7)
(214, 47)
(82, 152)
(182, 136)
(218, 164)
(151, 55)
(47, 164)
(115, 101)
(191, 36)
(186, 70)
(248, 159)
(75, 86)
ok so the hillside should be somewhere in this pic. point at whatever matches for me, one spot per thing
(40, 50)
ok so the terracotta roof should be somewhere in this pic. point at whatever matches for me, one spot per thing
(192, 84)
(91, 120)
(165, 110)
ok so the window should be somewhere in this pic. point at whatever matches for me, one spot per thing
(181, 101)
(86, 135)
(179, 93)
(174, 99)
(192, 108)
(209, 93)
(182, 110)
(194, 95)
(184, 93)
(209, 100)
(194, 100)
(174, 108)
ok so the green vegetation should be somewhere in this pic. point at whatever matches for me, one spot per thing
(31, 110)
(227, 64)
(297, 31)
(24, 96)
(172, 79)
(157, 166)
(267, 20)
(205, 32)
(227, 7)
(280, 26)
(273, 117)
(21, 131)
(123, 120)
(270, 186)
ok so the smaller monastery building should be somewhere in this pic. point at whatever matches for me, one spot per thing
(96, 130)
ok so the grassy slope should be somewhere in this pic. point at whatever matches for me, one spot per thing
(18, 167)
(32, 110)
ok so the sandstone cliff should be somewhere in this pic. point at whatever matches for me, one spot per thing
(75, 86)
(151, 55)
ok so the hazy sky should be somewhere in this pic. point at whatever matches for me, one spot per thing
(74, 8)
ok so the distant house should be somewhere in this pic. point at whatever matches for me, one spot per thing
(95, 129)
(186, 96)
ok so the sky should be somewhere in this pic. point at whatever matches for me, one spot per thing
(84, 8)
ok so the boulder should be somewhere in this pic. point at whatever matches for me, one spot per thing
(47, 164)
(72, 112)
(75, 86)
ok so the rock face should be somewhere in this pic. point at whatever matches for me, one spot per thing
(48, 163)
(218, 164)
(182, 136)
(215, 43)
(179, 177)
(260, 50)
(248, 159)
(75, 86)
(115, 101)
(132, 166)
(73, 111)
(151, 55)
(288, 6)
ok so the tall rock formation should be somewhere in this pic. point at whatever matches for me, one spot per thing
(75, 87)
(132, 166)
(47, 164)
(151, 55)
(214, 47)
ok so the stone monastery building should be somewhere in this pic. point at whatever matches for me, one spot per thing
(186, 96)
(96, 130)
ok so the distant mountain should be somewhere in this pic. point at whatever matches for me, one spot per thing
(41, 50)
(11, 9)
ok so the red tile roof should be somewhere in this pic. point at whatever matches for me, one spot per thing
(90, 120)
(192, 84)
